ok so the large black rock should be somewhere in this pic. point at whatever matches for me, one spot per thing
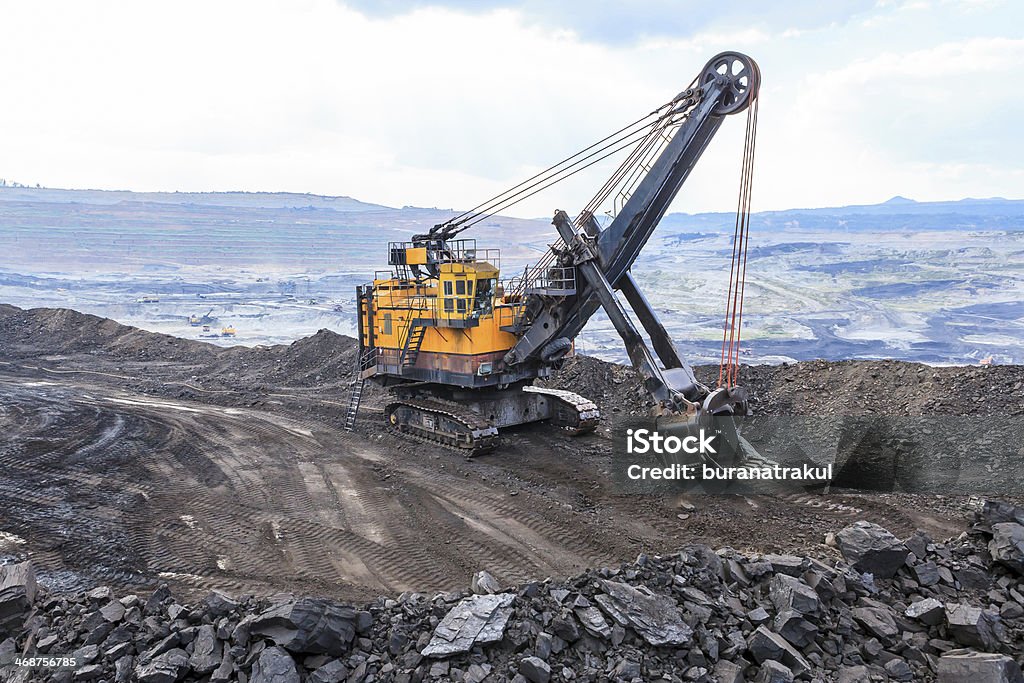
(978, 667)
(1007, 545)
(308, 625)
(17, 593)
(274, 666)
(997, 512)
(169, 667)
(973, 626)
(654, 617)
(872, 549)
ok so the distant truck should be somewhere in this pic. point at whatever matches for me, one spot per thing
(147, 300)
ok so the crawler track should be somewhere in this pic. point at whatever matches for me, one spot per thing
(443, 423)
(574, 414)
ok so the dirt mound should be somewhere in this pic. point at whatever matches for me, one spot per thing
(59, 331)
(615, 388)
(322, 365)
(885, 388)
(824, 387)
(324, 359)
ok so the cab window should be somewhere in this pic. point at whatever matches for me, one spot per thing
(484, 295)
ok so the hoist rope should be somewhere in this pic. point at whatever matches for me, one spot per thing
(728, 371)
(624, 179)
(594, 157)
(557, 172)
(642, 135)
(628, 174)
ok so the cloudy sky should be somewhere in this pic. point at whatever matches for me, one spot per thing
(447, 103)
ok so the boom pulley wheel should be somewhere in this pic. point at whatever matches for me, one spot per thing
(739, 77)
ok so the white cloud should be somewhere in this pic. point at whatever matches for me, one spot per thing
(442, 107)
(907, 123)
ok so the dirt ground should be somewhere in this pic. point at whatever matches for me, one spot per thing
(131, 459)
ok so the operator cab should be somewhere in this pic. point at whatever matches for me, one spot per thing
(463, 279)
(467, 289)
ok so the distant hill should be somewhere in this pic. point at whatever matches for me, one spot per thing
(51, 230)
(896, 214)
(55, 230)
(253, 200)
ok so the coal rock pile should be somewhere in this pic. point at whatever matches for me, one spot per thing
(65, 341)
(882, 387)
(38, 331)
(910, 609)
(822, 388)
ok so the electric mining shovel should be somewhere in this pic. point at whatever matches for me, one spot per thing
(460, 348)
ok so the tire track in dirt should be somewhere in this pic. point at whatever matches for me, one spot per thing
(112, 486)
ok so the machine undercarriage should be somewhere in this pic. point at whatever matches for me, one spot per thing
(469, 421)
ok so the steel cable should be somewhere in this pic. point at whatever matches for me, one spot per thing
(545, 183)
(491, 205)
(728, 371)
